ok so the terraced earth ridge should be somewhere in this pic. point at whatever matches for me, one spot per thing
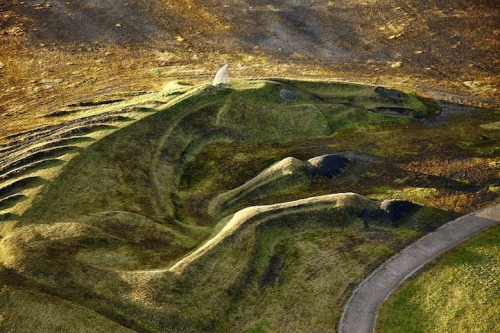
(202, 209)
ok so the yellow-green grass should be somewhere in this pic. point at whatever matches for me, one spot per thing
(114, 265)
(26, 311)
(48, 147)
(138, 168)
(459, 292)
(315, 272)
(103, 234)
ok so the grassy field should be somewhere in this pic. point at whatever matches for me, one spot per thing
(98, 211)
(459, 292)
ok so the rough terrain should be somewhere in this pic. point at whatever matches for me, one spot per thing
(54, 52)
(134, 177)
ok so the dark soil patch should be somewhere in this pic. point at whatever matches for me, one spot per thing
(271, 276)
(112, 21)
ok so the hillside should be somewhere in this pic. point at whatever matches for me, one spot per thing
(104, 211)
(137, 197)
(55, 53)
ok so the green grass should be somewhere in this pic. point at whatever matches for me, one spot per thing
(44, 313)
(259, 115)
(11, 201)
(458, 293)
(319, 267)
(104, 232)
(138, 168)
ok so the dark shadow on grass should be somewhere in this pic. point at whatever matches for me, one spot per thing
(45, 154)
(60, 113)
(425, 180)
(8, 217)
(48, 145)
(12, 201)
(20, 185)
(33, 167)
(87, 129)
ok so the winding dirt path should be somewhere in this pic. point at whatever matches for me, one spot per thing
(361, 309)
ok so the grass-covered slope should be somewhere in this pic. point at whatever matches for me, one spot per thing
(284, 175)
(137, 169)
(100, 265)
(114, 224)
(458, 293)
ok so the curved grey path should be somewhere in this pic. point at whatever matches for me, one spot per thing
(361, 309)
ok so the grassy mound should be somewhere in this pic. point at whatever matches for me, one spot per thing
(148, 156)
(112, 265)
(294, 213)
(118, 229)
(284, 175)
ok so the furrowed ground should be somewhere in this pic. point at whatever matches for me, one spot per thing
(446, 49)
(134, 178)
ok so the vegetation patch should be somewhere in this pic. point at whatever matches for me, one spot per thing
(44, 154)
(31, 168)
(458, 293)
(20, 185)
(130, 235)
(11, 201)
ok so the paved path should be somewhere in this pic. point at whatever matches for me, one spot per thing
(361, 309)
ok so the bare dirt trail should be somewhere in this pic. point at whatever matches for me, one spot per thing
(360, 312)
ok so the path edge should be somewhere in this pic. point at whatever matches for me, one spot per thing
(416, 270)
